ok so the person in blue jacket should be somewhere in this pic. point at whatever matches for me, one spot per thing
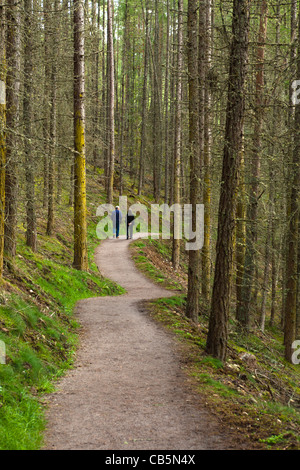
(116, 217)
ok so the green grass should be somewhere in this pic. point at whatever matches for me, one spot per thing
(148, 268)
(39, 347)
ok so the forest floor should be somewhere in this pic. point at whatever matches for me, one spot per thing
(255, 392)
(128, 389)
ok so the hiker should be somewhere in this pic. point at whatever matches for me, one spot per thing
(130, 223)
(116, 217)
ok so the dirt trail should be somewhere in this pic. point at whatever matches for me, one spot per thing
(127, 390)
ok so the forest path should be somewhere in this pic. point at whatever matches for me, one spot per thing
(127, 390)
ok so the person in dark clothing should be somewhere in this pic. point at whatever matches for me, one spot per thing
(116, 217)
(129, 224)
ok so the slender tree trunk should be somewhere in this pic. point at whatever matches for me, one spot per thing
(218, 323)
(156, 110)
(243, 313)
(12, 121)
(131, 115)
(103, 111)
(80, 224)
(51, 176)
(192, 309)
(292, 235)
(205, 278)
(46, 99)
(166, 141)
(178, 130)
(240, 234)
(123, 104)
(96, 44)
(144, 103)
(111, 103)
(265, 280)
(31, 231)
(2, 132)
(291, 116)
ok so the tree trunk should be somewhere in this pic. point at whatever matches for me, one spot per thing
(46, 99)
(178, 130)
(291, 117)
(124, 85)
(144, 104)
(243, 313)
(265, 279)
(218, 323)
(31, 231)
(111, 104)
(80, 227)
(2, 132)
(156, 110)
(205, 278)
(192, 308)
(12, 122)
(52, 146)
(290, 306)
(166, 118)
(240, 234)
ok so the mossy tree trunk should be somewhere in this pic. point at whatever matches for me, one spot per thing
(80, 222)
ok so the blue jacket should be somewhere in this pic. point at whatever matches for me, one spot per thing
(116, 217)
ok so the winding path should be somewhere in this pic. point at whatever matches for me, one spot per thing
(127, 389)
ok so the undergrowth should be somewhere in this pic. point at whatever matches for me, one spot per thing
(256, 392)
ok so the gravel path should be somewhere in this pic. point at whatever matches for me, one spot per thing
(127, 390)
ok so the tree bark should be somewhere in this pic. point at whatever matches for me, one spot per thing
(243, 313)
(166, 117)
(144, 103)
(31, 230)
(2, 132)
(52, 145)
(156, 110)
(217, 337)
(80, 224)
(12, 121)
(178, 130)
(240, 234)
(192, 308)
(290, 307)
(205, 278)
(111, 104)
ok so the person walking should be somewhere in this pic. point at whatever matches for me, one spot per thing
(129, 224)
(116, 217)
